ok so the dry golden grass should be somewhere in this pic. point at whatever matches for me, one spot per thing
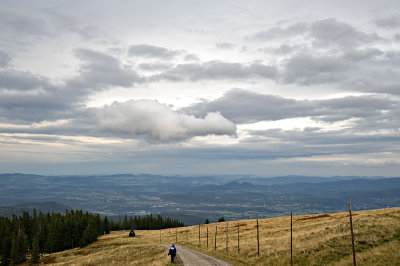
(317, 240)
(115, 249)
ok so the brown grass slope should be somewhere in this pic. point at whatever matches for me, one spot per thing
(317, 240)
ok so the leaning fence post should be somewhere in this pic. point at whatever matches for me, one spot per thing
(352, 234)
(291, 238)
(258, 241)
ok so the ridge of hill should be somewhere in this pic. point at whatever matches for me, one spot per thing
(317, 240)
(43, 207)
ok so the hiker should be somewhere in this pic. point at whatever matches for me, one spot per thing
(172, 252)
(131, 233)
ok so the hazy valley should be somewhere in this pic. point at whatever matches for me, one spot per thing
(193, 199)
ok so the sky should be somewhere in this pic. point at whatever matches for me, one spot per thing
(170, 87)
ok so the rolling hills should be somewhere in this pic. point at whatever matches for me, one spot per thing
(322, 239)
(193, 199)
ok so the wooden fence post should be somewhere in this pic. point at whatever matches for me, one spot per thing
(176, 234)
(226, 236)
(258, 241)
(215, 241)
(199, 237)
(238, 238)
(160, 236)
(352, 234)
(291, 238)
(207, 237)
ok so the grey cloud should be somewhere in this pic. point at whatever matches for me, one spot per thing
(150, 51)
(242, 106)
(306, 69)
(61, 22)
(279, 32)
(21, 81)
(4, 59)
(283, 49)
(225, 45)
(19, 27)
(12, 22)
(333, 32)
(217, 70)
(25, 97)
(99, 71)
(154, 66)
(391, 22)
(158, 122)
(313, 143)
(192, 57)
(327, 33)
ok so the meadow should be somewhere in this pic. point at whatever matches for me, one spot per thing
(317, 240)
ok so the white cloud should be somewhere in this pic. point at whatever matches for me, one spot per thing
(158, 122)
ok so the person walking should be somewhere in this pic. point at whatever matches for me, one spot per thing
(172, 253)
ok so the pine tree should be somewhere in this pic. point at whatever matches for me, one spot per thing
(19, 247)
(35, 253)
(106, 226)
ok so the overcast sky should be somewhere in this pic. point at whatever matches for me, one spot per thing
(188, 87)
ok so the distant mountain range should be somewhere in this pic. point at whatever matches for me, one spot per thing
(197, 198)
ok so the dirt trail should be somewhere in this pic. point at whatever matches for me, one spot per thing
(194, 258)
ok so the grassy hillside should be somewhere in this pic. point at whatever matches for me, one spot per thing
(318, 240)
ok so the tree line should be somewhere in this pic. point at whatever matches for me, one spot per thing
(31, 235)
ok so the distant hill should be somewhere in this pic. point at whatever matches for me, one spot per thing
(43, 207)
(204, 197)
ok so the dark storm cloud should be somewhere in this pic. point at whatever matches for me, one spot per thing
(242, 106)
(391, 22)
(150, 51)
(217, 70)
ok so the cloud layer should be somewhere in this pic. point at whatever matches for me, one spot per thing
(222, 83)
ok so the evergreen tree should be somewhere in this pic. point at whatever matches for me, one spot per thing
(88, 236)
(19, 247)
(35, 252)
(106, 226)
